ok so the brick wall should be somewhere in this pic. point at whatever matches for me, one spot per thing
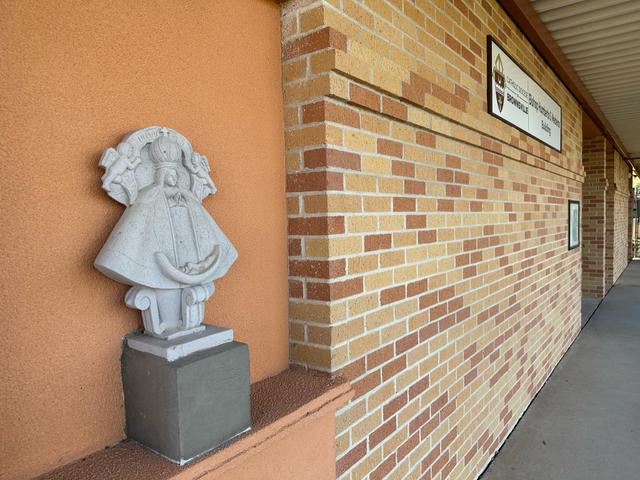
(594, 193)
(428, 255)
(630, 221)
(617, 233)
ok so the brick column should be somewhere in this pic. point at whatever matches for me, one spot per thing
(630, 235)
(594, 192)
(610, 205)
(616, 251)
(316, 203)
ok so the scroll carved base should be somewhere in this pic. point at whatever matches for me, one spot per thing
(170, 313)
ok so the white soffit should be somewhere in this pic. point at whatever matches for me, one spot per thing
(601, 39)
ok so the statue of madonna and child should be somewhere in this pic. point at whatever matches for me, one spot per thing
(166, 246)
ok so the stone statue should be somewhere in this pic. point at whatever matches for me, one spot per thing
(165, 245)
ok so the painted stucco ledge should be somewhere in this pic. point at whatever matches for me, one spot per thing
(279, 406)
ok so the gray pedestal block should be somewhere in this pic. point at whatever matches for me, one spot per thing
(184, 408)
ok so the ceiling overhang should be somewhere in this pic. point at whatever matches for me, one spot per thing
(593, 46)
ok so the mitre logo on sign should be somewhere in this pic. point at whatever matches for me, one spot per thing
(516, 98)
(498, 75)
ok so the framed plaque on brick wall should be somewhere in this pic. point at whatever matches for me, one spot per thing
(574, 224)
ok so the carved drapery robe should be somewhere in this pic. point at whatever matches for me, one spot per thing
(170, 221)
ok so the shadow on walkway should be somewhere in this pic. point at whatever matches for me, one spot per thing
(585, 422)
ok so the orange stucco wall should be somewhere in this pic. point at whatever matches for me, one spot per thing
(76, 76)
(307, 453)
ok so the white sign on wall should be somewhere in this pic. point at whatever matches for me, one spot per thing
(514, 97)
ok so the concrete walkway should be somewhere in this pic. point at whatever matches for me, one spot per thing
(589, 306)
(585, 423)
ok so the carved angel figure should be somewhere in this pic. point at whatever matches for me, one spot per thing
(165, 245)
(201, 183)
(120, 164)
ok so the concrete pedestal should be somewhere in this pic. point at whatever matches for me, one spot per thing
(184, 408)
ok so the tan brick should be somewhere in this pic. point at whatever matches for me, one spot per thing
(381, 395)
(311, 19)
(318, 312)
(390, 259)
(377, 204)
(375, 124)
(293, 205)
(391, 222)
(359, 141)
(378, 280)
(307, 89)
(376, 165)
(367, 464)
(391, 185)
(313, 135)
(352, 414)
(361, 183)
(406, 308)
(393, 331)
(297, 331)
(342, 443)
(332, 203)
(320, 357)
(326, 247)
(294, 70)
(364, 344)
(362, 264)
(322, 62)
(392, 442)
(363, 304)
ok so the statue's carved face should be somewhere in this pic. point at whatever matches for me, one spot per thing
(171, 178)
